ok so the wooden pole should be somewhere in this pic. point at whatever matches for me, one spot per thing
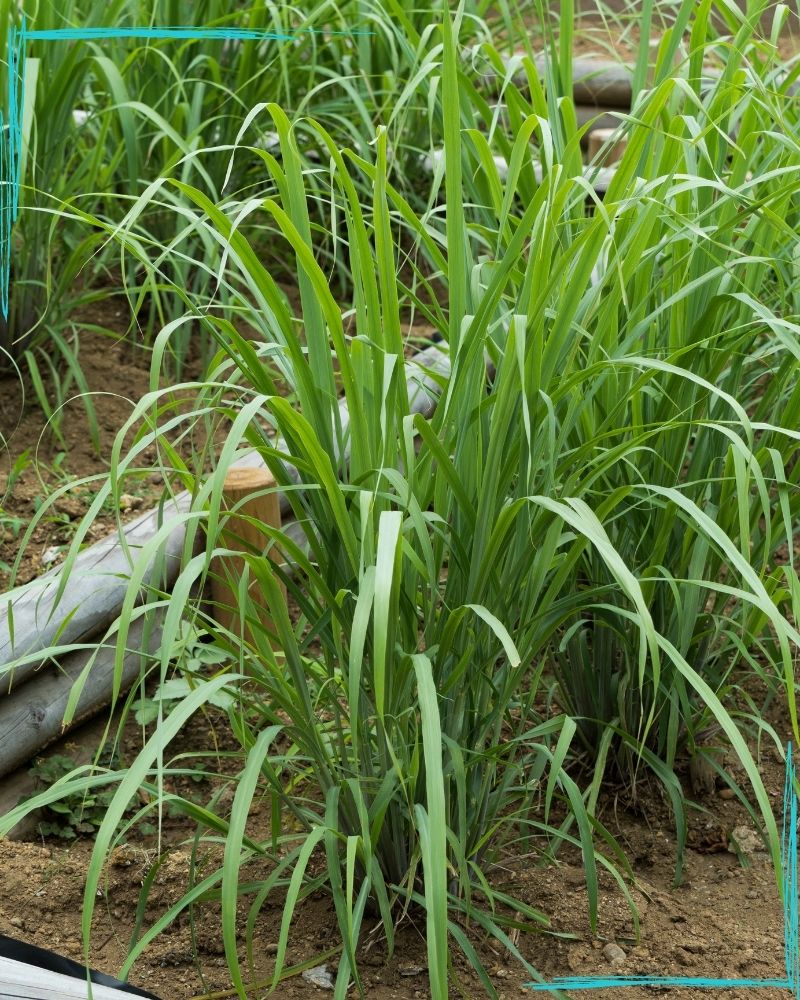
(600, 140)
(245, 493)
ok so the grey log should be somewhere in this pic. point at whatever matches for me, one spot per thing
(606, 84)
(599, 177)
(31, 717)
(33, 621)
(599, 82)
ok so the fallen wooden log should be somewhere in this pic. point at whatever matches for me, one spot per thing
(34, 620)
(601, 83)
(597, 82)
(31, 717)
(598, 177)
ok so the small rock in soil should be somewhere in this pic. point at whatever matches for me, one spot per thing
(746, 840)
(50, 555)
(129, 502)
(695, 947)
(72, 509)
(411, 970)
(613, 954)
(319, 976)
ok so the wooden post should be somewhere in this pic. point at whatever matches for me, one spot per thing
(598, 138)
(243, 489)
(600, 118)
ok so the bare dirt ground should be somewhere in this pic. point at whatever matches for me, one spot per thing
(615, 32)
(117, 377)
(34, 462)
(723, 921)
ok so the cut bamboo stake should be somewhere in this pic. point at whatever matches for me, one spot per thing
(602, 141)
(250, 493)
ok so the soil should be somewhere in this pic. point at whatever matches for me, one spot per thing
(723, 921)
(616, 33)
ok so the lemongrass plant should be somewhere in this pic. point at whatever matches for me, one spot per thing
(593, 512)
(102, 118)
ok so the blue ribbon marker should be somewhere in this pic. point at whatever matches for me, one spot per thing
(11, 131)
(790, 927)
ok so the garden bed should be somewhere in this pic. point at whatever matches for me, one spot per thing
(725, 920)
(512, 610)
(697, 929)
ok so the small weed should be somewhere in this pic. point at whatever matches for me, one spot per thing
(21, 464)
(79, 814)
(195, 656)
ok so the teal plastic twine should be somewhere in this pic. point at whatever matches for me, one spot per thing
(790, 926)
(789, 862)
(11, 132)
(10, 161)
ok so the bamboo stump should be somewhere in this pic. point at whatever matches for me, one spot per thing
(600, 141)
(243, 493)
